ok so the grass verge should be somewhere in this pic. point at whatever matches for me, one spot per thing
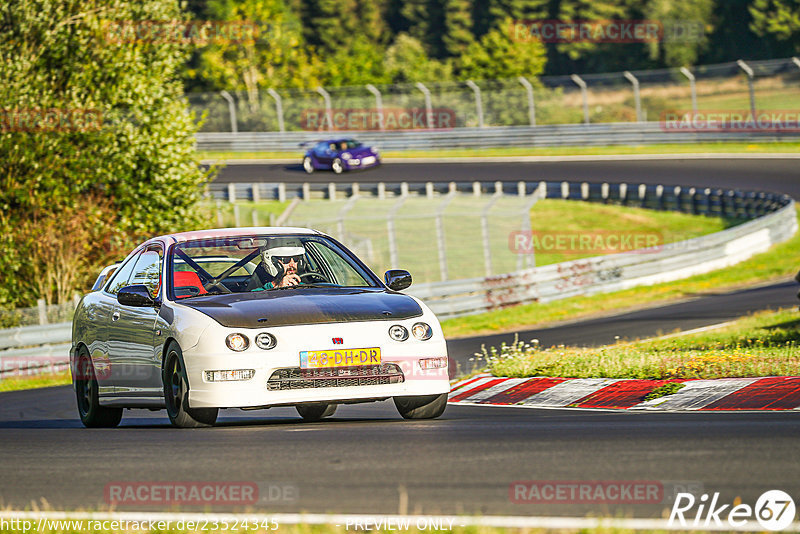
(765, 344)
(780, 262)
(17, 383)
(709, 148)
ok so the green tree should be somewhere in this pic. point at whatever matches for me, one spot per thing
(499, 55)
(457, 27)
(406, 61)
(682, 44)
(119, 147)
(777, 18)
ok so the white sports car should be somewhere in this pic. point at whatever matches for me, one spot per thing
(252, 318)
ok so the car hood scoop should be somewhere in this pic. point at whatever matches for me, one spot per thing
(284, 307)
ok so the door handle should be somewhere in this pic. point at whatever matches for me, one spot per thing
(115, 316)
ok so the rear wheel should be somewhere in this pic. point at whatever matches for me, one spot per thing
(308, 165)
(176, 394)
(422, 407)
(316, 411)
(87, 394)
(337, 166)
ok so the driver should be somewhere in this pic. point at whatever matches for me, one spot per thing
(281, 266)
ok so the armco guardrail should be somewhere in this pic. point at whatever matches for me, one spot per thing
(773, 220)
(528, 136)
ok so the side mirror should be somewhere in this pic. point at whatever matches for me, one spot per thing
(136, 295)
(397, 279)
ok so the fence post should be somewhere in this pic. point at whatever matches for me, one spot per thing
(487, 249)
(381, 191)
(478, 103)
(326, 97)
(42, 305)
(236, 216)
(429, 189)
(378, 104)
(584, 92)
(636, 94)
(231, 192)
(254, 216)
(281, 192)
(403, 189)
(428, 105)
(476, 189)
(278, 108)
(796, 61)
(750, 74)
(306, 191)
(440, 238)
(220, 221)
(332, 190)
(391, 231)
(531, 102)
(231, 111)
(693, 84)
(256, 192)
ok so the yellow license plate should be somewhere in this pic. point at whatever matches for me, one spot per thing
(318, 359)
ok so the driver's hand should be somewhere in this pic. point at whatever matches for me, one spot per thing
(289, 280)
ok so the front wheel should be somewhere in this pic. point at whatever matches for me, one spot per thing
(422, 407)
(337, 166)
(308, 165)
(315, 411)
(87, 393)
(176, 394)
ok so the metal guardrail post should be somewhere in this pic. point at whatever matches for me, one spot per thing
(231, 111)
(636, 94)
(693, 84)
(428, 104)
(256, 193)
(278, 108)
(478, 103)
(332, 191)
(487, 249)
(378, 104)
(531, 102)
(750, 75)
(585, 93)
(326, 97)
(231, 192)
(796, 61)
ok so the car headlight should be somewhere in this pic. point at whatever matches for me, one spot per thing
(237, 342)
(346, 155)
(398, 332)
(266, 341)
(422, 331)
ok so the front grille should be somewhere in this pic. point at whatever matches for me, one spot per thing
(338, 377)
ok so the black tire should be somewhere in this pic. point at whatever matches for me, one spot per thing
(308, 165)
(87, 394)
(315, 411)
(176, 394)
(337, 167)
(422, 407)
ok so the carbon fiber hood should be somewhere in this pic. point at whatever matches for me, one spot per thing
(283, 307)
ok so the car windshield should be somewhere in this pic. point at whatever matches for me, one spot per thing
(259, 262)
(349, 144)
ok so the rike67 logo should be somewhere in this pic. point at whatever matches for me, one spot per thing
(774, 510)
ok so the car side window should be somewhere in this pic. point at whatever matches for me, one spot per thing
(321, 149)
(122, 275)
(148, 270)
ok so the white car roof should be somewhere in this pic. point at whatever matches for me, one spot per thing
(183, 237)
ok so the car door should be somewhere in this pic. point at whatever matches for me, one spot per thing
(324, 153)
(131, 339)
(100, 314)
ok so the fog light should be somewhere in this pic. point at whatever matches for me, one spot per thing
(237, 342)
(433, 363)
(230, 375)
(266, 341)
(422, 331)
(398, 333)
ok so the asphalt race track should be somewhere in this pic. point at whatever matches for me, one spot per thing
(366, 458)
(779, 175)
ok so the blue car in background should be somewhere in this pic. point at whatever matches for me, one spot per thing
(340, 155)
